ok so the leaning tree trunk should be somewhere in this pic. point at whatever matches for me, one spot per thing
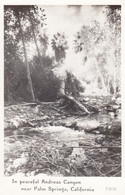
(77, 103)
(26, 60)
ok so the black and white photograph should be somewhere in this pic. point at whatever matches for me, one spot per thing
(62, 90)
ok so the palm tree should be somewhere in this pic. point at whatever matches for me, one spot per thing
(60, 45)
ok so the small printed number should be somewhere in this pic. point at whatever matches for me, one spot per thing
(110, 188)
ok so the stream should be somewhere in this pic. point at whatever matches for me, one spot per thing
(78, 138)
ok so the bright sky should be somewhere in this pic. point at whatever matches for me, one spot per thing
(69, 19)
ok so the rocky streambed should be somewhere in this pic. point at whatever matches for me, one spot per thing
(40, 140)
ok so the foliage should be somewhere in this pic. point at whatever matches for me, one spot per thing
(32, 23)
(101, 45)
(73, 85)
(45, 85)
(59, 45)
(98, 44)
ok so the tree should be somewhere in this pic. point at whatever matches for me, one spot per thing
(86, 39)
(113, 26)
(23, 26)
(45, 86)
(100, 46)
(25, 54)
(12, 59)
(35, 19)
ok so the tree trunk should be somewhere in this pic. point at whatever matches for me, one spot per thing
(77, 103)
(102, 78)
(61, 91)
(114, 81)
(7, 87)
(35, 40)
(26, 60)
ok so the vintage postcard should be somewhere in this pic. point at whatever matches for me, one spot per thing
(62, 97)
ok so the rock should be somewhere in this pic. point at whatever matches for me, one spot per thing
(17, 121)
(115, 107)
(111, 114)
(10, 169)
(45, 118)
(72, 125)
(63, 117)
(114, 128)
(90, 125)
(78, 153)
(51, 123)
(100, 140)
(118, 100)
(86, 125)
(36, 109)
(19, 162)
(104, 150)
(86, 99)
(33, 173)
